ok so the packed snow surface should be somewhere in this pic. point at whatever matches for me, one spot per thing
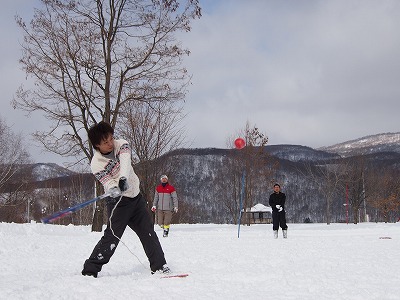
(317, 261)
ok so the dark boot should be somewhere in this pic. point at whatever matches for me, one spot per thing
(166, 231)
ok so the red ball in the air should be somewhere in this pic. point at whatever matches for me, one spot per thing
(240, 143)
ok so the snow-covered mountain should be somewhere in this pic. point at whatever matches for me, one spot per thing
(43, 171)
(299, 153)
(45, 175)
(384, 142)
(379, 143)
(198, 175)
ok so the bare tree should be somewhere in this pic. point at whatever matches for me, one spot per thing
(228, 185)
(90, 59)
(356, 170)
(385, 197)
(14, 190)
(13, 154)
(152, 131)
(329, 177)
(255, 162)
(250, 165)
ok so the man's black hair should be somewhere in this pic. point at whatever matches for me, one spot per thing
(276, 184)
(99, 132)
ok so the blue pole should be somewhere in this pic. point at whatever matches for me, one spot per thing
(241, 202)
(64, 212)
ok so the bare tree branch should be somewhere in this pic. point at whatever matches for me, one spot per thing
(91, 59)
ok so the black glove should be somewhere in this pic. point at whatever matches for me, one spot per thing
(123, 184)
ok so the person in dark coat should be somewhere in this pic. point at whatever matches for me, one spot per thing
(277, 202)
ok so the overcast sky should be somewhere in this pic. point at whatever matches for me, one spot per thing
(312, 73)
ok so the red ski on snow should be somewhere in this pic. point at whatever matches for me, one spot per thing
(176, 276)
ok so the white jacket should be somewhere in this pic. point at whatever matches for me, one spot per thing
(109, 171)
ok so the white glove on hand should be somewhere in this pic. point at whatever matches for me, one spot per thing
(153, 208)
(114, 192)
(280, 209)
(175, 209)
(278, 206)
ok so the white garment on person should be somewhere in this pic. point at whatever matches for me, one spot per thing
(108, 170)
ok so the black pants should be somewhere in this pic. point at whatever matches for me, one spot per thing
(129, 212)
(279, 219)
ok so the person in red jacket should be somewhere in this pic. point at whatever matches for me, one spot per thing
(165, 203)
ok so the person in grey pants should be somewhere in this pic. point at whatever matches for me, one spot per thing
(165, 203)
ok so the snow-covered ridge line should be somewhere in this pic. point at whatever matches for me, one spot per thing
(384, 142)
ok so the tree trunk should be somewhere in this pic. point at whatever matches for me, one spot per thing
(355, 215)
(98, 217)
(328, 210)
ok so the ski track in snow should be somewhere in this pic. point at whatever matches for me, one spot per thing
(317, 261)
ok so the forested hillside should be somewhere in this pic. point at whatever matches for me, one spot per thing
(320, 186)
(204, 177)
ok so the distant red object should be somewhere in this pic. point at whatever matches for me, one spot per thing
(176, 276)
(240, 143)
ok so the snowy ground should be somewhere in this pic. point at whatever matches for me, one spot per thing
(317, 261)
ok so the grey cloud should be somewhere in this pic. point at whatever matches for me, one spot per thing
(313, 73)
